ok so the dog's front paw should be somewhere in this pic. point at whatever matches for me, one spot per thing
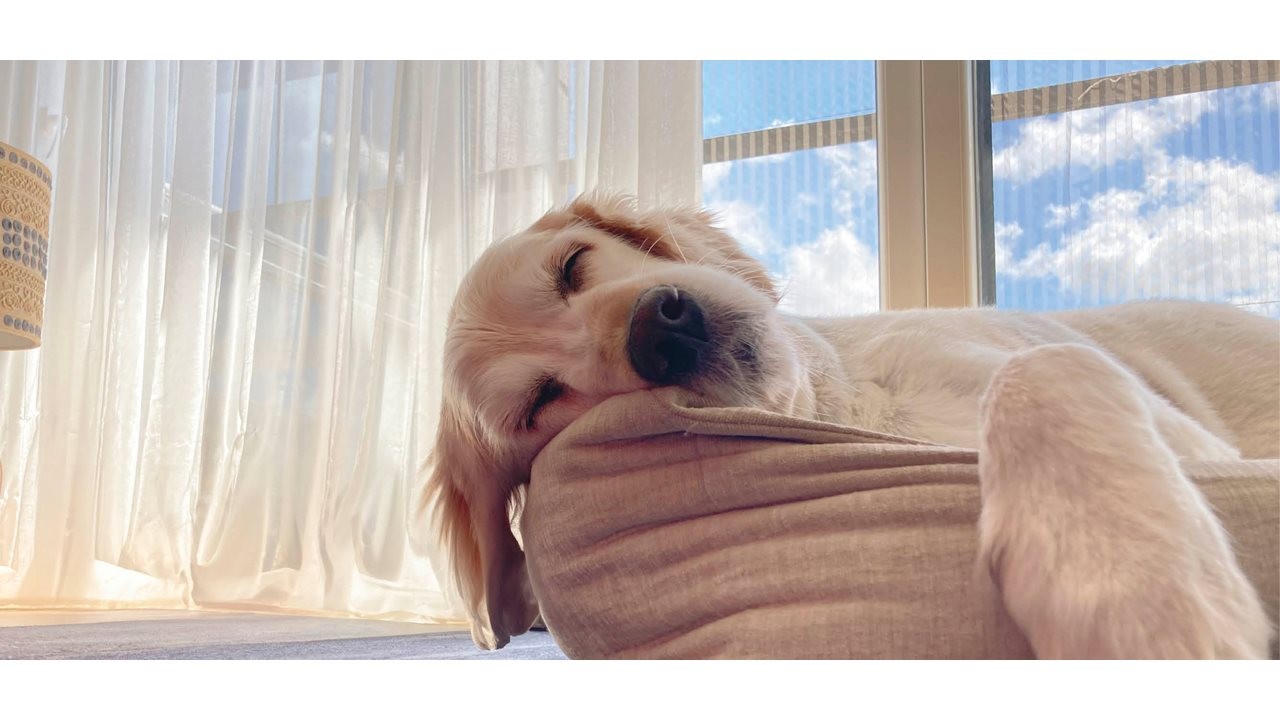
(1100, 545)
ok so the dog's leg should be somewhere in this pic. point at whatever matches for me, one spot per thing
(1101, 546)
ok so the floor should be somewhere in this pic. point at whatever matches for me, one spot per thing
(201, 635)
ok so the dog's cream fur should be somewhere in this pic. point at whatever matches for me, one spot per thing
(1099, 543)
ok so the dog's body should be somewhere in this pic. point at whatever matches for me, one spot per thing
(1079, 417)
(922, 373)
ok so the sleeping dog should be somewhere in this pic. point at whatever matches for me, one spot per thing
(1079, 417)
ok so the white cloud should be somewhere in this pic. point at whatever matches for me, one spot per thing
(771, 159)
(713, 175)
(1008, 231)
(1005, 233)
(853, 175)
(1097, 137)
(712, 119)
(1059, 215)
(745, 223)
(1253, 98)
(1207, 229)
(837, 274)
(834, 275)
(806, 200)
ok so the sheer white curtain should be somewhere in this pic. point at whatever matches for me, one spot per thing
(250, 269)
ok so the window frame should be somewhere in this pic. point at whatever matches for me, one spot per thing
(936, 219)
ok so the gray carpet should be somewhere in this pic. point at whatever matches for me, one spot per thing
(257, 637)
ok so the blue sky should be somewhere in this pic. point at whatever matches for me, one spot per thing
(1171, 197)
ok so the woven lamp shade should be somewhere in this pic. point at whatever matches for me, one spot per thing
(25, 190)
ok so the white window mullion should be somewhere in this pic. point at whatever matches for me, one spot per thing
(925, 135)
(951, 198)
(900, 168)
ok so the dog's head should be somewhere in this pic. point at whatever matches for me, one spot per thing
(594, 300)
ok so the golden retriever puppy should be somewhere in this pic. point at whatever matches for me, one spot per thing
(598, 299)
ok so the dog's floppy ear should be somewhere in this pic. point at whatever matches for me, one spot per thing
(678, 234)
(471, 492)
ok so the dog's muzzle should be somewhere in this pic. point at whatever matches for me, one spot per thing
(668, 335)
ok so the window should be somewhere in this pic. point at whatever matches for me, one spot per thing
(791, 170)
(1119, 181)
(1106, 181)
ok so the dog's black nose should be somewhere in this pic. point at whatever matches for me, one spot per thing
(667, 335)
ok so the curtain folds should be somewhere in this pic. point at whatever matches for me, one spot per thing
(250, 268)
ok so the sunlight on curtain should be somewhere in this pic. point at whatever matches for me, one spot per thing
(251, 265)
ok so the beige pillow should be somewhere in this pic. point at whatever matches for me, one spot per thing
(657, 529)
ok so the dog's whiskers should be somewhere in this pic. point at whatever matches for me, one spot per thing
(666, 218)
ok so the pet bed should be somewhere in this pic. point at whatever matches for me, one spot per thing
(658, 529)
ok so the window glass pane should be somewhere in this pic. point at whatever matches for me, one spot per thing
(801, 199)
(740, 96)
(1163, 195)
(1013, 75)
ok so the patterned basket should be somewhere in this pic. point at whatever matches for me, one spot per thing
(25, 190)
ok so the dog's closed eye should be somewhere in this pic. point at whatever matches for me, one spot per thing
(546, 391)
(570, 276)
